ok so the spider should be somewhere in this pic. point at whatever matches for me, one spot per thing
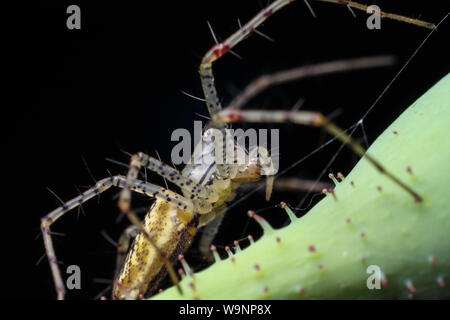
(172, 221)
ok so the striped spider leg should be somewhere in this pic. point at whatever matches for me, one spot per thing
(219, 117)
(100, 187)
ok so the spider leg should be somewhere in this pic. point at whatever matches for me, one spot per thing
(293, 184)
(207, 78)
(316, 119)
(101, 186)
(122, 247)
(220, 49)
(209, 232)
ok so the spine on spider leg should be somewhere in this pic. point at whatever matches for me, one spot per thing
(367, 239)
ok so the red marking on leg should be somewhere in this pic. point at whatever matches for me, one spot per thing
(257, 267)
(220, 49)
(141, 297)
(278, 239)
(103, 298)
(311, 248)
(231, 115)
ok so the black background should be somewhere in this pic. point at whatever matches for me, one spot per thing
(115, 84)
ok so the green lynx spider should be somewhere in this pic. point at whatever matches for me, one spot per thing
(205, 189)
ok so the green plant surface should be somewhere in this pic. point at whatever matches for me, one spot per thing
(325, 254)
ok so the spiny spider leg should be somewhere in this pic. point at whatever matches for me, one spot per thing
(310, 118)
(207, 78)
(101, 186)
(220, 49)
(284, 76)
